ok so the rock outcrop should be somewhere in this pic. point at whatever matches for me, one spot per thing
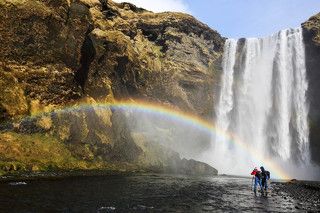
(312, 43)
(57, 56)
(62, 53)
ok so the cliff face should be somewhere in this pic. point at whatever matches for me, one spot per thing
(58, 54)
(61, 53)
(107, 50)
(312, 43)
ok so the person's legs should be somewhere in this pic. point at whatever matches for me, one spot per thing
(261, 186)
(266, 185)
(263, 183)
(256, 183)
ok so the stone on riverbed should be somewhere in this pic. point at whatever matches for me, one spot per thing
(193, 167)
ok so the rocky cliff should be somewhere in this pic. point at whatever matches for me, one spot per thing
(61, 53)
(312, 43)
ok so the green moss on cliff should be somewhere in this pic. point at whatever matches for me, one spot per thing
(12, 99)
(38, 152)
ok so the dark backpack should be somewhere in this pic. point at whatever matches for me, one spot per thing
(265, 175)
(268, 174)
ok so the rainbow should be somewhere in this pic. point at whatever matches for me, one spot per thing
(186, 118)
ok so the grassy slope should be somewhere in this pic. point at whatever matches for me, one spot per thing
(38, 152)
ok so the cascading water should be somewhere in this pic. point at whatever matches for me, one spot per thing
(263, 102)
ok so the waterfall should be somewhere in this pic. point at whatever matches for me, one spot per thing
(263, 103)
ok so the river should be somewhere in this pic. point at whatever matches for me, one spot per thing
(138, 193)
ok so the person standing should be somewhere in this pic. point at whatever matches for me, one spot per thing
(257, 179)
(265, 176)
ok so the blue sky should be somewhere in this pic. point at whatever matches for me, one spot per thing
(240, 18)
(252, 18)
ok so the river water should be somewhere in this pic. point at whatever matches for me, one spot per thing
(138, 193)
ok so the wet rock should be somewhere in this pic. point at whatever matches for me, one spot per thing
(193, 167)
(305, 194)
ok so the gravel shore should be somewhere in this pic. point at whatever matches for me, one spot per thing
(305, 193)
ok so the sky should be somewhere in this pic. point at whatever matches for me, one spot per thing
(240, 18)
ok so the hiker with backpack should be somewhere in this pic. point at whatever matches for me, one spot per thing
(265, 176)
(257, 179)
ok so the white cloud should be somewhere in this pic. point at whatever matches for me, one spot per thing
(160, 5)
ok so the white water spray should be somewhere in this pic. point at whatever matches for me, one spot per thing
(263, 102)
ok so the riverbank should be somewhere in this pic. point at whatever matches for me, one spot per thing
(106, 191)
(139, 193)
(306, 194)
(62, 174)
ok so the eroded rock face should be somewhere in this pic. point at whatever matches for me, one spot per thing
(311, 35)
(40, 47)
(57, 54)
(64, 50)
(135, 48)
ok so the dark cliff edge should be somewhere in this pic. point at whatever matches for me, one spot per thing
(311, 34)
(62, 53)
